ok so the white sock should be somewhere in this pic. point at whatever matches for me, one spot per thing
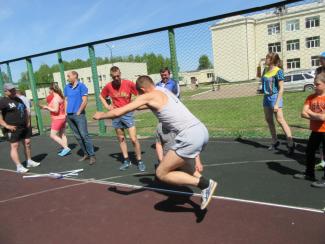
(30, 161)
(322, 162)
(20, 166)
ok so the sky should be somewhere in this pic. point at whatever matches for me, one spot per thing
(35, 26)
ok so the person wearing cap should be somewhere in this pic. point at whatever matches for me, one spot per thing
(16, 127)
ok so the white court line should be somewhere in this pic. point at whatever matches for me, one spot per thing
(247, 162)
(41, 192)
(153, 140)
(215, 197)
(103, 182)
(81, 182)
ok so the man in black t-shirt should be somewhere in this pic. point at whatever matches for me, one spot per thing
(16, 126)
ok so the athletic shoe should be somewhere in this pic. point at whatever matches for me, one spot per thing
(304, 176)
(274, 146)
(319, 184)
(21, 169)
(84, 158)
(92, 160)
(207, 194)
(320, 166)
(126, 164)
(64, 152)
(291, 149)
(31, 164)
(141, 166)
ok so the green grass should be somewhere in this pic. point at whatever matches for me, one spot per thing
(238, 117)
(230, 117)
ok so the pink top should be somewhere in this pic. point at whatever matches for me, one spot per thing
(57, 101)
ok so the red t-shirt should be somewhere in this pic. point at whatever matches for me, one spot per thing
(317, 105)
(121, 96)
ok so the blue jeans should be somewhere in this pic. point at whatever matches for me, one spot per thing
(78, 124)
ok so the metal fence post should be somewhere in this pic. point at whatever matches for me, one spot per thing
(99, 105)
(173, 55)
(9, 73)
(61, 68)
(1, 84)
(35, 96)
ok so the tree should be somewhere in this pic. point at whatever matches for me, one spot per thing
(5, 77)
(23, 82)
(43, 74)
(204, 63)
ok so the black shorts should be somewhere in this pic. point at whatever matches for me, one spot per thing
(19, 134)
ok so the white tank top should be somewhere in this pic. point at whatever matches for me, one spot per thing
(174, 116)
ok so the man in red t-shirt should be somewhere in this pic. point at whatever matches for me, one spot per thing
(120, 92)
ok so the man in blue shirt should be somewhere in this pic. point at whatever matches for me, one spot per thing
(76, 94)
(167, 82)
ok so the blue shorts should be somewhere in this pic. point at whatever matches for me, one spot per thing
(124, 122)
(269, 101)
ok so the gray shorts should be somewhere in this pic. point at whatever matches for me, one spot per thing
(190, 142)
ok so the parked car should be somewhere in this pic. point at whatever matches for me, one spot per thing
(297, 81)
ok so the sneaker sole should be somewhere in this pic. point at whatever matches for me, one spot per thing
(123, 169)
(142, 170)
(30, 166)
(214, 187)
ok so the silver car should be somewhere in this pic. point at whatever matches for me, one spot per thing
(297, 81)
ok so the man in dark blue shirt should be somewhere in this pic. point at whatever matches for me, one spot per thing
(167, 82)
(76, 94)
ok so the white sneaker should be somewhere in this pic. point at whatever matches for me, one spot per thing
(31, 164)
(21, 169)
(207, 194)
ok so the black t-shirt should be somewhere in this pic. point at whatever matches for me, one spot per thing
(13, 111)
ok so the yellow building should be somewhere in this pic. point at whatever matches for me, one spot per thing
(297, 33)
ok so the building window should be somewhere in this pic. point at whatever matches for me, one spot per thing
(275, 47)
(293, 63)
(104, 77)
(315, 61)
(82, 80)
(292, 25)
(313, 41)
(100, 78)
(210, 75)
(293, 45)
(89, 79)
(273, 29)
(312, 22)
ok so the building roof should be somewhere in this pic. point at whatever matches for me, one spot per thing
(271, 13)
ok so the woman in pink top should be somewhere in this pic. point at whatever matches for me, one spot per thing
(56, 106)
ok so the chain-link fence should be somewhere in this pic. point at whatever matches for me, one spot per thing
(214, 60)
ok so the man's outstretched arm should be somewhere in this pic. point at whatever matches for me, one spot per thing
(137, 103)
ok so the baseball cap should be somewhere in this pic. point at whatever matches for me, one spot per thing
(322, 55)
(8, 86)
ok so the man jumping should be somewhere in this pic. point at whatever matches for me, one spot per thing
(191, 135)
